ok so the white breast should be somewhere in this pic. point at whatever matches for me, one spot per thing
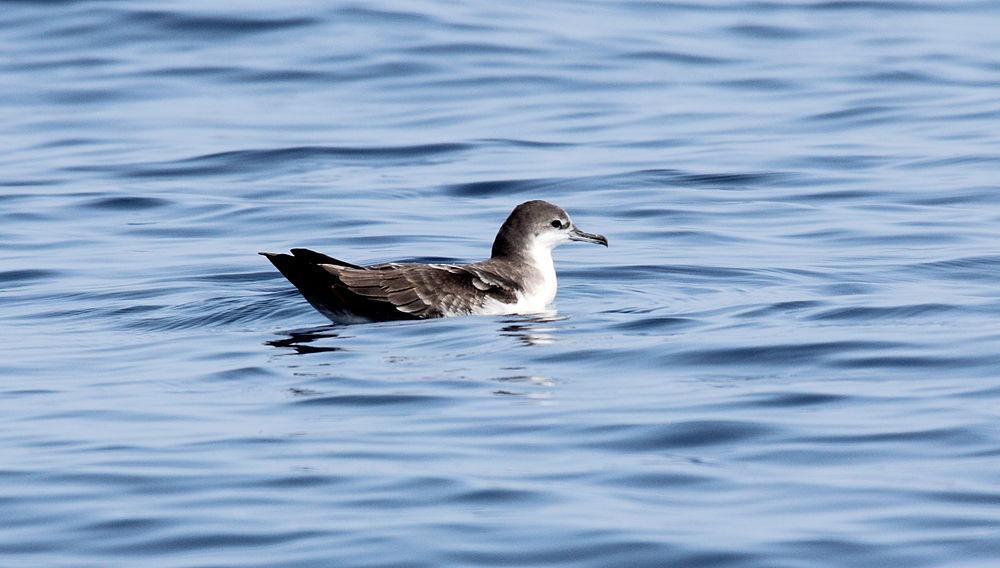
(540, 284)
(539, 291)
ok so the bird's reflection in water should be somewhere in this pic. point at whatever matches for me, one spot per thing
(530, 382)
(533, 380)
(530, 330)
(534, 329)
(516, 381)
(301, 340)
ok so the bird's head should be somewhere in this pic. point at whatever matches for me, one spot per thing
(539, 224)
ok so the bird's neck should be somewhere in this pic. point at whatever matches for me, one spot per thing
(516, 245)
(542, 287)
(509, 243)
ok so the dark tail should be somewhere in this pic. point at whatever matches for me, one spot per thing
(324, 290)
(314, 257)
(315, 284)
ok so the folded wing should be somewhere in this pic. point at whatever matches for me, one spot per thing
(428, 290)
(342, 290)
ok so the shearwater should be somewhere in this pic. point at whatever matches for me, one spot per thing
(518, 278)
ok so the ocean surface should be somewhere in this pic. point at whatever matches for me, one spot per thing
(788, 357)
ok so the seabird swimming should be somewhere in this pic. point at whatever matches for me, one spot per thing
(518, 278)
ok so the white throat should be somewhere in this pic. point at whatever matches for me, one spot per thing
(540, 292)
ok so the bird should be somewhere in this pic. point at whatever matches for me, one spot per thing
(519, 277)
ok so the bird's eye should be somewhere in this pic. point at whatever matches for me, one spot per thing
(557, 223)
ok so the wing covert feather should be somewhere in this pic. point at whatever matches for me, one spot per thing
(428, 290)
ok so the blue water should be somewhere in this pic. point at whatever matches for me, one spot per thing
(788, 357)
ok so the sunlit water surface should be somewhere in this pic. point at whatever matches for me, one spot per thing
(788, 357)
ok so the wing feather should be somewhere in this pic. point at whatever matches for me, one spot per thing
(427, 290)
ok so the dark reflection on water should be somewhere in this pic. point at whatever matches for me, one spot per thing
(787, 358)
(301, 341)
(533, 329)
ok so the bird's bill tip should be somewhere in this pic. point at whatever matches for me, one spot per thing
(578, 235)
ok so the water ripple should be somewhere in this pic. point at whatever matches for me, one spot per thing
(368, 401)
(237, 161)
(205, 25)
(680, 435)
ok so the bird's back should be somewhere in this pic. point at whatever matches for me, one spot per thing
(345, 291)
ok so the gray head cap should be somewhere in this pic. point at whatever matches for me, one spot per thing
(529, 220)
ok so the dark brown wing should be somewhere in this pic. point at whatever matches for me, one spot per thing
(428, 290)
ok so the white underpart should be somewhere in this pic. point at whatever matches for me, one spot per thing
(540, 291)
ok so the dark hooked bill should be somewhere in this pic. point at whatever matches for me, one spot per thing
(578, 235)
